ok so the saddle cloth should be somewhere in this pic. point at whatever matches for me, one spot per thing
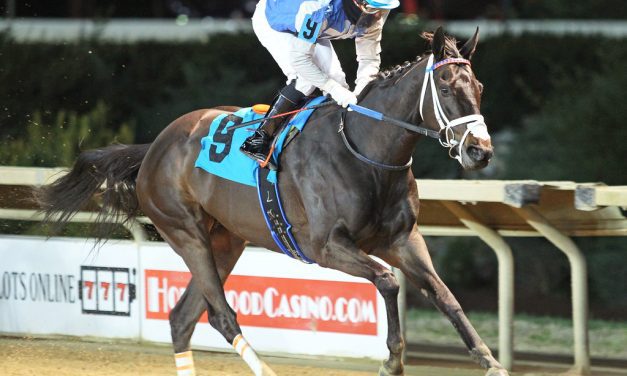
(220, 154)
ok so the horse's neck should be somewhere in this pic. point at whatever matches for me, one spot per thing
(379, 140)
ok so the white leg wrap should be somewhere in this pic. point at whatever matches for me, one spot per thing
(184, 364)
(248, 354)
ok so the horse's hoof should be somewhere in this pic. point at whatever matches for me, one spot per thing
(383, 371)
(497, 372)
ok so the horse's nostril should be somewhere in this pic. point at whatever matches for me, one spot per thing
(475, 153)
(479, 154)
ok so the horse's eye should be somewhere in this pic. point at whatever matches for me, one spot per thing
(480, 87)
(445, 91)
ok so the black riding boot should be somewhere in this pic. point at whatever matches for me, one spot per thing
(258, 145)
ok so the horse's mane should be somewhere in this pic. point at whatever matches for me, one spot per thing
(391, 75)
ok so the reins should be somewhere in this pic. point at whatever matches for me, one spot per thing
(475, 124)
(352, 107)
(360, 110)
(399, 123)
(362, 157)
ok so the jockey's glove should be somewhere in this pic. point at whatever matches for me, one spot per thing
(360, 87)
(339, 93)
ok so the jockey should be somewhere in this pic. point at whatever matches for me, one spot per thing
(298, 35)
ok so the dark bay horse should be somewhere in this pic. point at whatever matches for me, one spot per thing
(342, 209)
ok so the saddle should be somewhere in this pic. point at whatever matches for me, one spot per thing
(220, 155)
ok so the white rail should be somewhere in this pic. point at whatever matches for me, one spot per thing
(169, 30)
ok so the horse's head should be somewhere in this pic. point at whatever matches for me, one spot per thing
(450, 100)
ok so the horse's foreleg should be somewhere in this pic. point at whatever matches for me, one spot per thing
(412, 257)
(342, 254)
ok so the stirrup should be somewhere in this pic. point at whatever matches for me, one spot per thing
(258, 142)
(261, 159)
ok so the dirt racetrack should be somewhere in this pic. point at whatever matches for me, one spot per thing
(62, 357)
(69, 356)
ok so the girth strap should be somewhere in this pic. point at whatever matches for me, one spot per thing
(276, 220)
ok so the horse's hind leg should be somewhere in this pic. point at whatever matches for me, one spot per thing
(412, 257)
(187, 232)
(183, 319)
(227, 249)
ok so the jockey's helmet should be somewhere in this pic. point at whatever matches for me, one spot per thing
(370, 6)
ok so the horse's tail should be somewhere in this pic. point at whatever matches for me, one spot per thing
(116, 167)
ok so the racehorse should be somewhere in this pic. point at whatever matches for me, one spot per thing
(342, 208)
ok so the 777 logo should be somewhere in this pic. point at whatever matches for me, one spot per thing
(106, 290)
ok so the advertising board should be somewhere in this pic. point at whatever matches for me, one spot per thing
(122, 290)
(282, 305)
(63, 286)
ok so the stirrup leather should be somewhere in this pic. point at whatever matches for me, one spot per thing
(260, 145)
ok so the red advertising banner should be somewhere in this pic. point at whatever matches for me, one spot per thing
(286, 303)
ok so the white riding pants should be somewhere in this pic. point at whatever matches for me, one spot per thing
(324, 56)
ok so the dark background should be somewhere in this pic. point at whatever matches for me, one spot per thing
(431, 9)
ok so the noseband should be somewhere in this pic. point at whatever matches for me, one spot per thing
(474, 123)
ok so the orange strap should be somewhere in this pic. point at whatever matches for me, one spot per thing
(265, 163)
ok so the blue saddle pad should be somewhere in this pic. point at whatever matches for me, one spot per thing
(220, 154)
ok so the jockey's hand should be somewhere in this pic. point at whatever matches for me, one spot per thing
(339, 93)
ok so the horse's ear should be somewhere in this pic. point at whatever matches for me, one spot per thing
(468, 49)
(438, 44)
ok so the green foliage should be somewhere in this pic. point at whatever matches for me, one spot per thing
(53, 140)
(431, 161)
(607, 273)
(153, 83)
(590, 9)
(465, 262)
(134, 81)
(578, 134)
(520, 73)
